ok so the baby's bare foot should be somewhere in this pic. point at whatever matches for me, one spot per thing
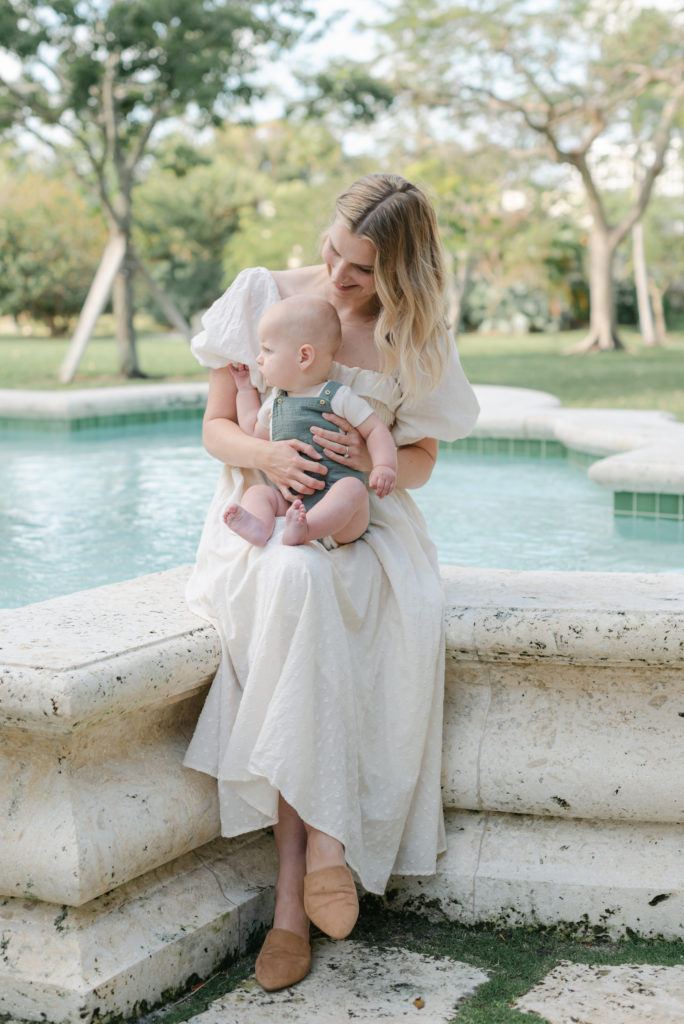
(296, 529)
(246, 525)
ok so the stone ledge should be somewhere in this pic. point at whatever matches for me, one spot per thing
(581, 618)
(93, 794)
(653, 441)
(80, 658)
(88, 403)
(513, 869)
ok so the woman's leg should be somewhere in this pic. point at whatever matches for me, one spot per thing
(290, 837)
(301, 849)
(322, 851)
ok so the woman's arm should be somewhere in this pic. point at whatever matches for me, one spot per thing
(283, 462)
(415, 462)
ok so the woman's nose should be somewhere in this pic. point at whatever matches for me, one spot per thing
(339, 270)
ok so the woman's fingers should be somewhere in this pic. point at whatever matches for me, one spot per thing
(291, 471)
(305, 449)
(345, 445)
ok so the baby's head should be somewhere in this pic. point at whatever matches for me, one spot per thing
(299, 337)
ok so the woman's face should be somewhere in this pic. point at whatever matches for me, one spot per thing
(350, 262)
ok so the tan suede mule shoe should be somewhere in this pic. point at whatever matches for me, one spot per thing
(330, 900)
(285, 959)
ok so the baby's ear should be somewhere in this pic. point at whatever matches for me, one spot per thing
(307, 354)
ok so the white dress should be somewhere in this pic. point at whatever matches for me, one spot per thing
(330, 687)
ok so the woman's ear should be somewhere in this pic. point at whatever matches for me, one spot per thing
(306, 356)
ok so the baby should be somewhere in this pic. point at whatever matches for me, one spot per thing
(299, 337)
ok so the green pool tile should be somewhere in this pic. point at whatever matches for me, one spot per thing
(623, 502)
(519, 446)
(670, 505)
(503, 446)
(646, 504)
(554, 449)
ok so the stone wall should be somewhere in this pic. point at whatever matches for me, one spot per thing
(563, 789)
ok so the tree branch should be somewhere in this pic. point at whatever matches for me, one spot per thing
(144, 137)
(661, 142)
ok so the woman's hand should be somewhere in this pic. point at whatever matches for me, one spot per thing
(285, 466)
(345, 445)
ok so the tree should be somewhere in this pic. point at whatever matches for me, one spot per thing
(96, 81)
(296, 170)
(51, 238)
(561, 81)
(658, 258)
(476, 229)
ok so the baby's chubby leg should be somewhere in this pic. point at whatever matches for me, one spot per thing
(255, 518)
(342, 514)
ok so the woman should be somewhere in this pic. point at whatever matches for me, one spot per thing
(325, 716)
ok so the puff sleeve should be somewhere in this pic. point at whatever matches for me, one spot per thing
(445, 413)
(229, 333)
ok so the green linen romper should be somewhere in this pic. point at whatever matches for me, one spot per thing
(293, 416)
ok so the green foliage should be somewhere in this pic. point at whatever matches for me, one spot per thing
(185, 212)
(163, 55)
(107, 74)
(526, 261)
(51, 240)
(257, 195)
(344, 92)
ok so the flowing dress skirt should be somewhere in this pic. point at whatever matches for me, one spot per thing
(330, 687)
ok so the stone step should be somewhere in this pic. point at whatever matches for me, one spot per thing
(353, 980)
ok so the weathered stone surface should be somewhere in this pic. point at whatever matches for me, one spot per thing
(351, 980)
(143, 939)
(628, 994)
(519, 869)
(18, 403)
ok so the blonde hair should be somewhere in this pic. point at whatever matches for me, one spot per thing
(400, 221)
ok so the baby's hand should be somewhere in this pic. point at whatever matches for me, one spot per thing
(240, 372)
(382, 480)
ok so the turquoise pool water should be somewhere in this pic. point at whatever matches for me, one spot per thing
(82, 509)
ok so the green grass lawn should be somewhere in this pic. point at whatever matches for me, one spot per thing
(639, 378)
(35, 362)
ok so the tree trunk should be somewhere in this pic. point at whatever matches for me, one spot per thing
(165, 303)
(97, 298)
(124, 307)
(457, 289)
(646, 323)
(658, 311)
(602, 336)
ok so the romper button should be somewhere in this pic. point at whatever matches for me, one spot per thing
(327, 392)
(322, 402)
(280, 400)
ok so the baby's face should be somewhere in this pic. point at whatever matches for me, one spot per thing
(278, 360)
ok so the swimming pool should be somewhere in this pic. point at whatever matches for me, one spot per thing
(97, 506)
